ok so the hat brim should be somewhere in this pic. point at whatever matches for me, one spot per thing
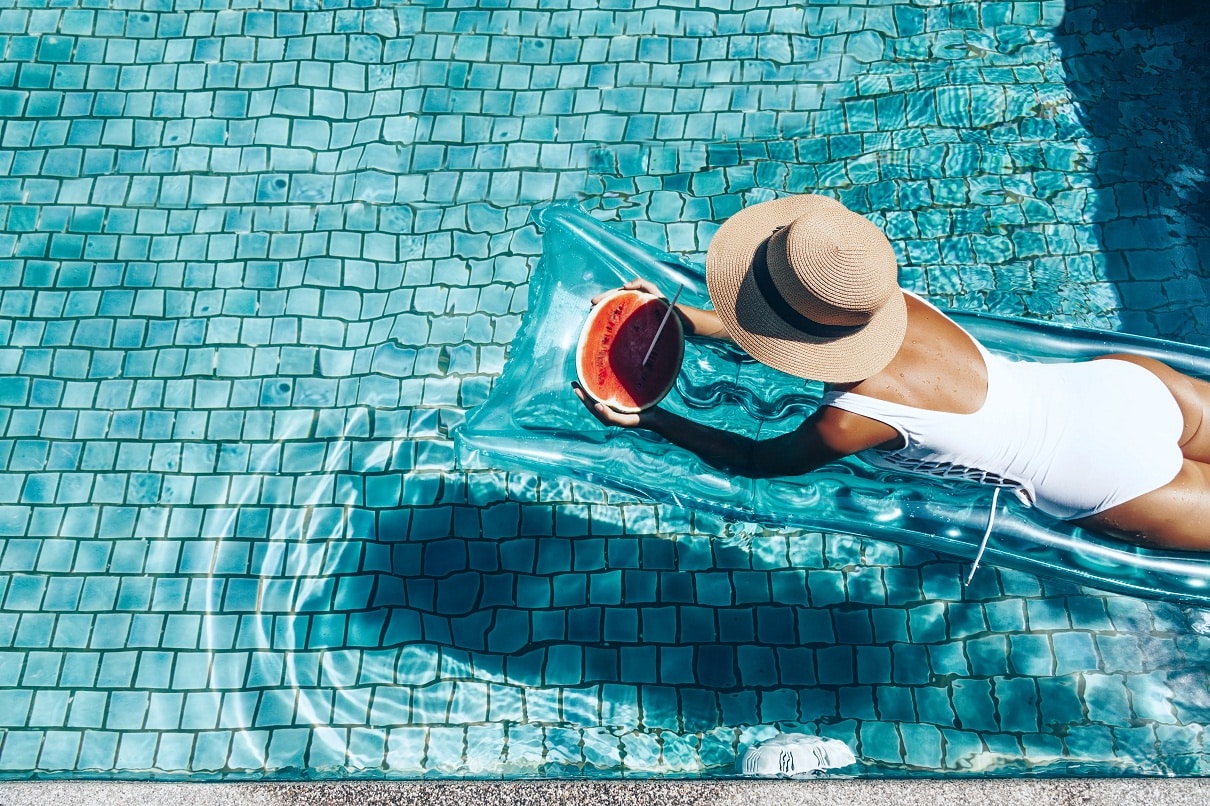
(754, 325)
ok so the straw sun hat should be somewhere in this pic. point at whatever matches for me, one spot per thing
(808, 287)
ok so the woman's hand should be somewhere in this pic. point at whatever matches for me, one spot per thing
(696, 321)
(646, 286)
(606, 415)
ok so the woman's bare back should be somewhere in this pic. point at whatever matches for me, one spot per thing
(938, 367)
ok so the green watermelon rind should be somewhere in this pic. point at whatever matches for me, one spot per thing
(584, 369)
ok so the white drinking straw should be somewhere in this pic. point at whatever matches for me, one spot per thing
(663, 322)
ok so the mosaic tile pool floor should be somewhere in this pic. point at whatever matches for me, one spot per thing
(258, 260)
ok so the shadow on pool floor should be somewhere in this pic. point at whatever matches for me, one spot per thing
(1138, 74)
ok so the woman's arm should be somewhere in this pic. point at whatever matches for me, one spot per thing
(791, 454)
(696, 321)
(703, 323)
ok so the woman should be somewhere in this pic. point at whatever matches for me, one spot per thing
(1119, 444)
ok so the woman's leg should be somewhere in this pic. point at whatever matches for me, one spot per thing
(1193, 397)
(1176, 516)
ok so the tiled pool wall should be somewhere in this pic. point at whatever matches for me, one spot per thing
(258, 262)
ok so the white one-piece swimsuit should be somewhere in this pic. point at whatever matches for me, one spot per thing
(1072, 439)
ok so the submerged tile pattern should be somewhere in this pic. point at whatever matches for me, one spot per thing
(258, 261)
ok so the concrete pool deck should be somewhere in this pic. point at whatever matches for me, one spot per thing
(1174, 792)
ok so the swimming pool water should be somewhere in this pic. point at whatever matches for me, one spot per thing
(257, 262)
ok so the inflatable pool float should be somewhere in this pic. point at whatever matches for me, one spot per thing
(531, 421)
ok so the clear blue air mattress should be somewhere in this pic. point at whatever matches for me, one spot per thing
(532, 422)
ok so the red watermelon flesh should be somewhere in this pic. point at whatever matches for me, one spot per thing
(616, 335)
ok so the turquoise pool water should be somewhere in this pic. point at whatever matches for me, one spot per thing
(258, 262)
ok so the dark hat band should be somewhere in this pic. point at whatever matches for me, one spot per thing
(785, 312)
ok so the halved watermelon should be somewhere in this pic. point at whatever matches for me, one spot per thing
(616, 336)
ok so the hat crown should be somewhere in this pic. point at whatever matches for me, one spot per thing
(836, 270)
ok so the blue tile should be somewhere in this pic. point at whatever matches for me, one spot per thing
(881, 742)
